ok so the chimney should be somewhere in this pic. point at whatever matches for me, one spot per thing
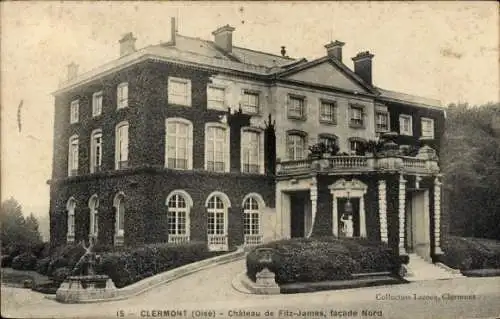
(363, 66)
(224, 38)
(173, 30)
(127, 44)
(72, 71)
(334, 49)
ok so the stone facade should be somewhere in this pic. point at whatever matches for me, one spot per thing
(301, 197)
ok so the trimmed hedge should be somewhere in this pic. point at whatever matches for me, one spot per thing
(131, 265)
(471, 253)
(323, 259)
(25, 261)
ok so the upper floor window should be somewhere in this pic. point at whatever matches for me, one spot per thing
(73, 156)
(217, 148)
(357, 146)
(216, 98)
(95, 151)
(296, 145)
(327, 112)
(179, 145)
(356, 116)
(405, 124)
(250, 102)
(122, 95)
(121, 145)
(296, 107)
(382, 122)
(97, 103)
(179, 91)
(251, 151)
(74, 111)
(328, 139)
(427, 127)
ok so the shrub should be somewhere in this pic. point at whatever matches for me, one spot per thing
(42, 265)
(25, 261)
(6, 260)
(65, 256)
(323, 259)
(471, 253)
(131, 265)
(60, 274)
(41, 250)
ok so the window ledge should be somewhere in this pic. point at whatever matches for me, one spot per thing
(297, 118)
(185, 105)
(327, 122)
(357, 126)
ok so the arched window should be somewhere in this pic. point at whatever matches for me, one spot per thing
(70, 207)
(357, 145)
(95, 151)
(252, 206)
(119, 206)
(94, 217)
(121, 145)
(73, 156)
(216, 147)
(179, 204)
(296, 145)
(217, 210)
(179, 143)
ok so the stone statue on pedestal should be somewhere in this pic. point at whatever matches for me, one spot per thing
(347, 225)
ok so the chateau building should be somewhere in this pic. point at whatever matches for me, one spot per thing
(196, 140)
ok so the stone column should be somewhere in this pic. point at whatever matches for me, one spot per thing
(402, 202)
(437, 216)
(335, 220)
(382, 209)
(362, 217)
(314, 205)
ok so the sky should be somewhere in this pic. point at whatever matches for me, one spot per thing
(443, 50)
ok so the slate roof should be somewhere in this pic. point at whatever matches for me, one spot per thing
(203, 53)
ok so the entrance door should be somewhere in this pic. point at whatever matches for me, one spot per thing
(297, 214)
(417, 224)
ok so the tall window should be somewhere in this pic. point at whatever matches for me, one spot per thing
(122, 95)
(427, 127)
(97, 103)
(179, 144)
(405, 124)
(94, 217)
(356, 116)
(121, 145)
(216, 216)
(216, 98)
(250, 102)
(296, 107)
(217, 148)
(251, 219)
(177, 215)
(357, 146)
(382, 122)
(74, 111)
(119, 205)
(179, 91)
(328, 112)
(95, 151)
(73, 156)
(70, 207)
(251, 151)
(296, 146)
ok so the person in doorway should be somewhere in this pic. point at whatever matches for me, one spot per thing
(347, 225)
